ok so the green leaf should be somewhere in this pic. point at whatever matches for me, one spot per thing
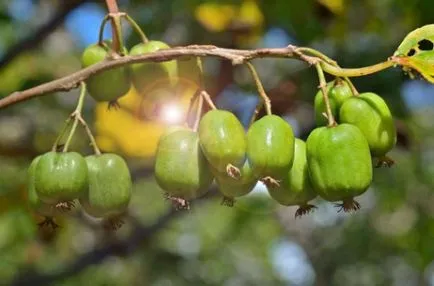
(416, 53)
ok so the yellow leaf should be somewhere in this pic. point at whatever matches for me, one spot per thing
(336, 6)
(123, 131)
(215, 17)
(250, 13)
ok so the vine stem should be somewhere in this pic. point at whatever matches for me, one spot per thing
(327, 59)
(237, 57)
(113, 9)
(260, 88)
(355, 72)
(137, 28)
(322, 86)
(75, 115)
(318, 54)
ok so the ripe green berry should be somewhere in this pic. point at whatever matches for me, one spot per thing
(338, 92)
(370, 113)
(270, 149)
(181, 169)
(34, 202)
(61, 177)
(110, 186)
(231, 187)
(223, 141)
(296, 188)
(339, 163)
(145, 76)
(108, 85)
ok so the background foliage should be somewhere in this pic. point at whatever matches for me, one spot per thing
(388, 242)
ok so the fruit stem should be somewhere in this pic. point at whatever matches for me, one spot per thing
(322, 86)
(191, 105)
(137, 28)
(260, 88)
(101, 29)
(352, 87)
(255, 114)
(75, 114)
(200, 69)
(60, 136)
(89, 134)
(354, 72)
(207, 98)
(198, 113)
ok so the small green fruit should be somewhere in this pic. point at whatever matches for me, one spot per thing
(181, 168)
(296, 188)
(370, 113)
(223, 141)
(60, 177)
(108, 85)
(34, 202)
(231, 187)
(270, 149)
(110, 186)
(338, 92)
(339, 163)
(147, 75)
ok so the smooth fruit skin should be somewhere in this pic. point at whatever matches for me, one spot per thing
(60, 177)
(370, 113)
(34, 202)
(222, 139)
(339, 162)
(270, 147)
(146, 75)
(231, 187)
(296, 188)
(338, 93)
(181, 168)
(110, 186)
(108, 85)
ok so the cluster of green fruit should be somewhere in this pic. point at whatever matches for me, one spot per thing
(101, 183)
(114, 83)
(334, 162)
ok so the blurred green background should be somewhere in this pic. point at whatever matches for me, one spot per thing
(390, 241)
